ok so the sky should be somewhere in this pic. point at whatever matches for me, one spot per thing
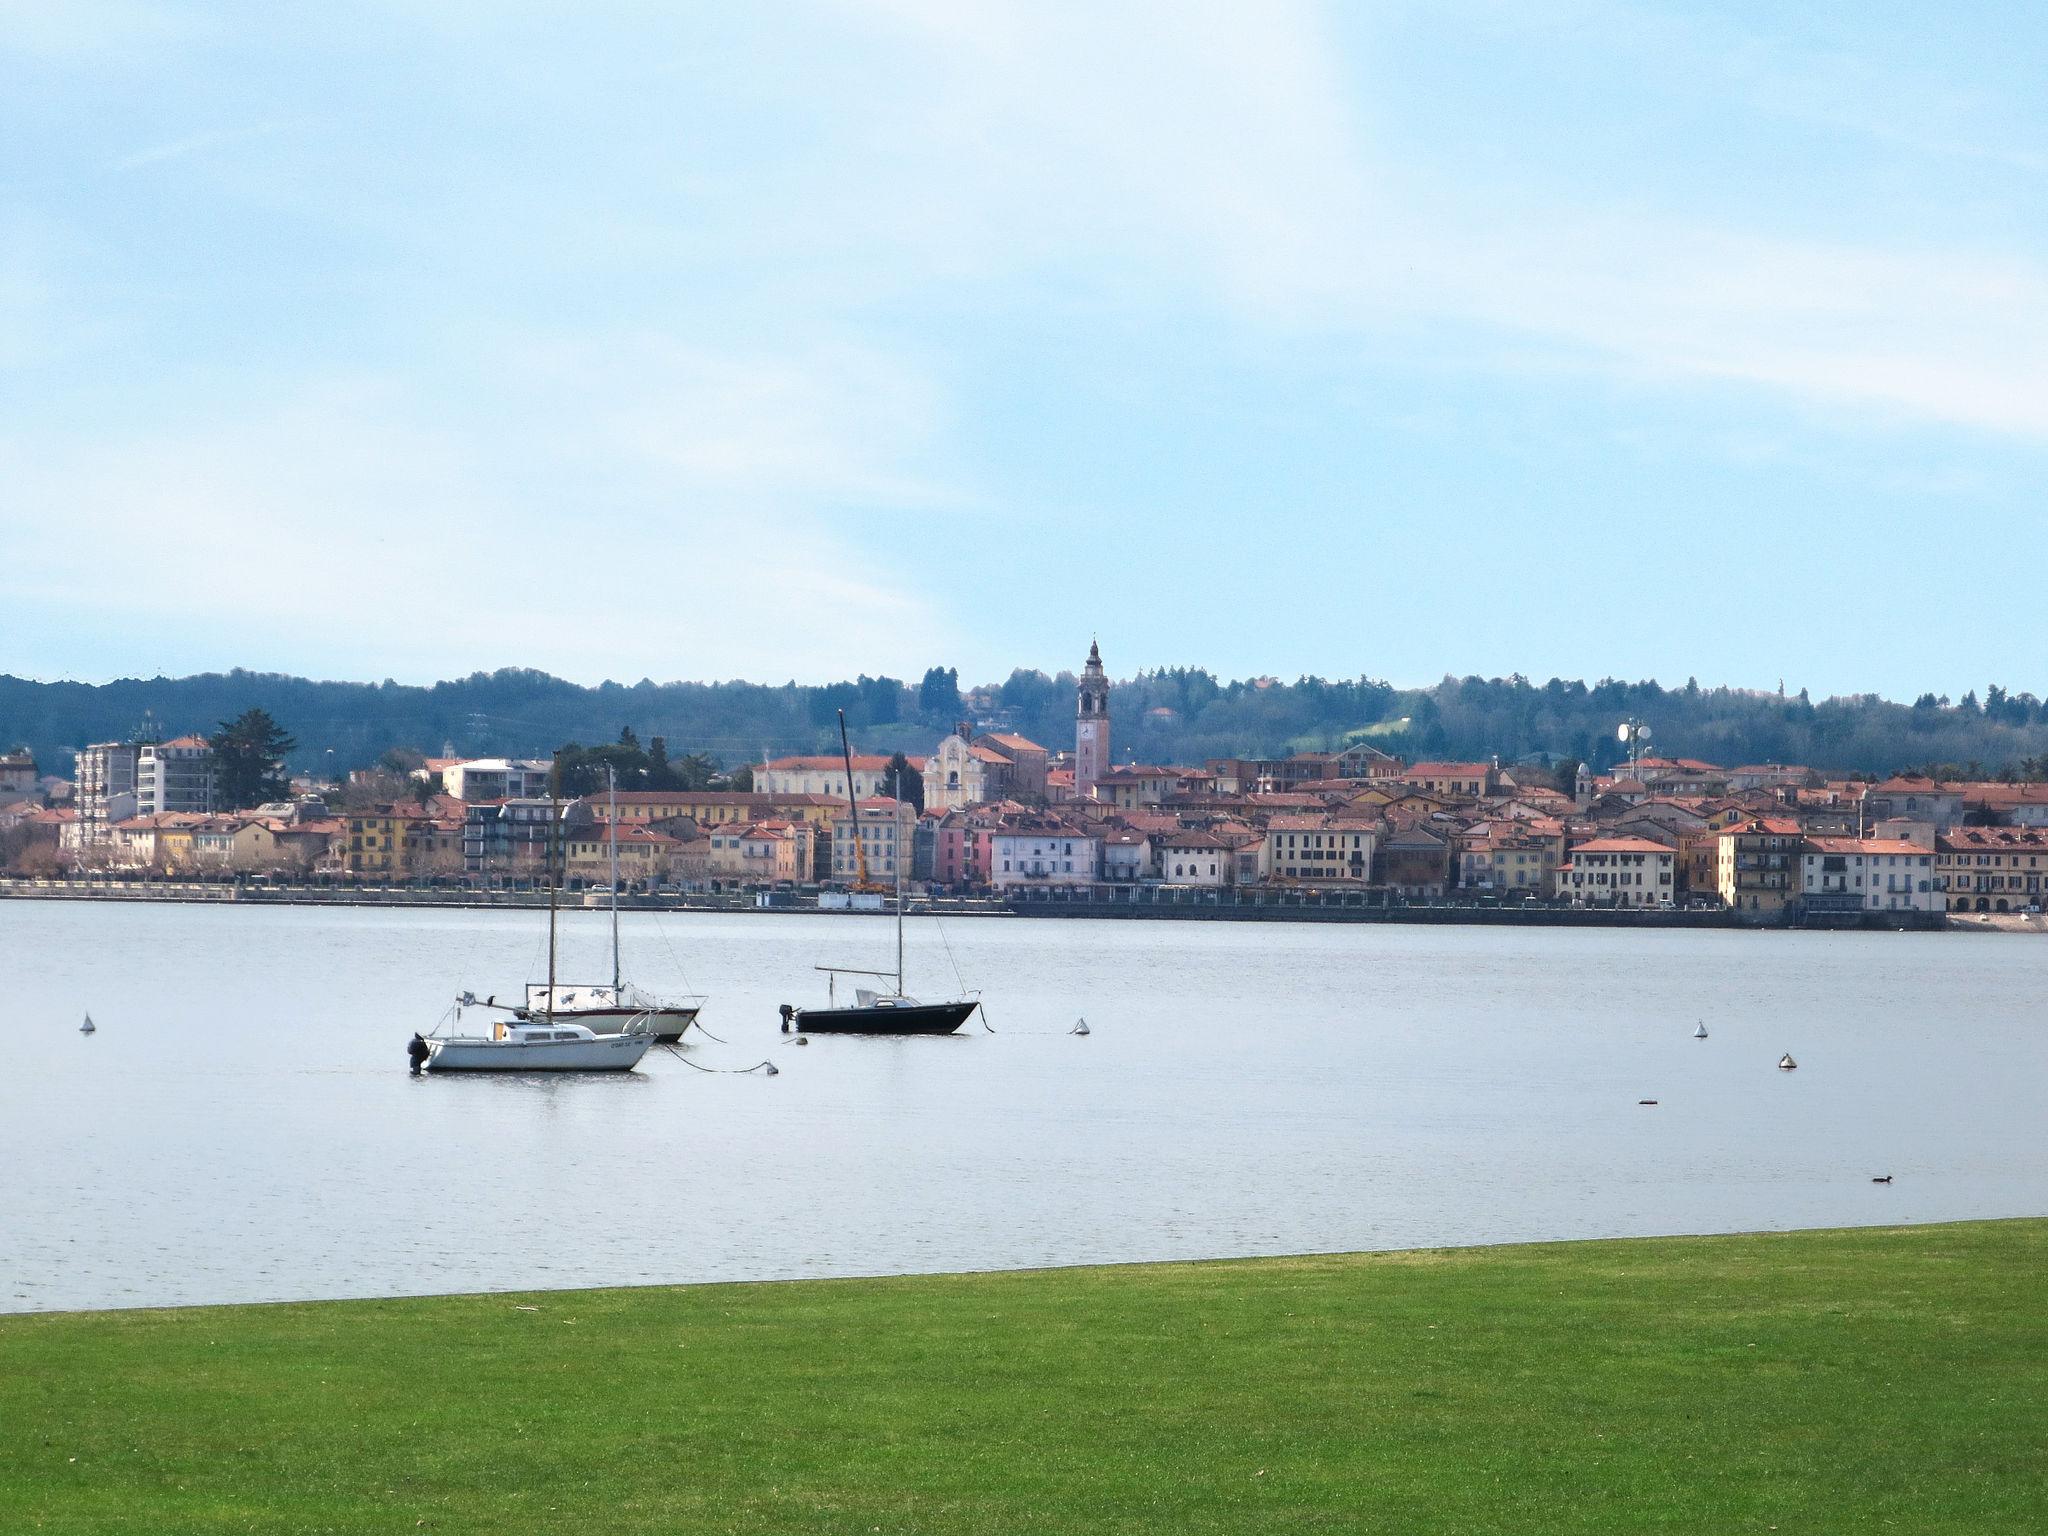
(1564, 337)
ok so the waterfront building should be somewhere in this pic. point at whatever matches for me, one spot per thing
(1194, 857)
(162, 840)
(1867, 874)
(1757, 865)
(644, 855)
(1126, 856)
(1415, 862)
(1091, 726)
(1034, 851)
(1618, 872)
(511, 837)
(759, 852)
(290, 847)
(1320, 850)
(174, 776)
(1992, 869)
(399, 840)
(886, 829)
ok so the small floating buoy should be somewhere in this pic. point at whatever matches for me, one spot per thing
(1646, 1101)
(1080, 1027)
(1786, 1063)
(773, 1070)
(1882, 1179)
(1701, 1032)
(88, 1027)
(801, 1040)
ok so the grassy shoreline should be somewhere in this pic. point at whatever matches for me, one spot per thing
(1869, 1378)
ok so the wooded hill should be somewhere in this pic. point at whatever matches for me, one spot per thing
(1171, 715)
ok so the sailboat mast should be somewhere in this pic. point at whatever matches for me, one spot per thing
(896, 842)
(611, 781)
(548, 858)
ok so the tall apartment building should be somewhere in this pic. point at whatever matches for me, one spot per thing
(174, 776)
(103, 787)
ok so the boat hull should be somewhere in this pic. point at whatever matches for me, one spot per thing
(668, 1023)
(906, 1019)
(598, 1053)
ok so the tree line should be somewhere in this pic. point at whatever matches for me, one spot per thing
(1175, 714)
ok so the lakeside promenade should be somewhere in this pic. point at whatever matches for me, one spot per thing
(1113, 902)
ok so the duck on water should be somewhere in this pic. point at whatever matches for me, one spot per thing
(873, 1011)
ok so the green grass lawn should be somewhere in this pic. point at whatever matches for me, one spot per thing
(1880, 1380)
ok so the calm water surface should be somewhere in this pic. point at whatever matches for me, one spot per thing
(243, 1128)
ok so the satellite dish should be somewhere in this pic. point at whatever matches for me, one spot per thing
(1621, 731)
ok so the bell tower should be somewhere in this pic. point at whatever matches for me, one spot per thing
(1091, 726)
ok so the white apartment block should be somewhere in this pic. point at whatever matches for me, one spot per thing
(174, 776)
(104, 788)
(1618, 872)
(497, 778)
(1020, 856)
(1868, 874)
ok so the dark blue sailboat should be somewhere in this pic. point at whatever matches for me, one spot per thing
(873, 1011)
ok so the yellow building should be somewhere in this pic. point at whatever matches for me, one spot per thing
(760, 852)
(1993, 869)
(376, 840)
(644, 854)
(715, 807)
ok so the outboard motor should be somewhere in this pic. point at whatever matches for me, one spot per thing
(788, 1013)
(418, 1051)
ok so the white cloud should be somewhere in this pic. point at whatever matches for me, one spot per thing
(356, 528)
(1218, 148)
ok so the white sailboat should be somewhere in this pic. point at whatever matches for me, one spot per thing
(606, 1007)
(533, 1041)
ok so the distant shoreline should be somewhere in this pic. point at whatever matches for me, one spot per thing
(1179, 905)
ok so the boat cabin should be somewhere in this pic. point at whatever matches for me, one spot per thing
(539, 1033)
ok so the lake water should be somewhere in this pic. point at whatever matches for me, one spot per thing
(242, 1127)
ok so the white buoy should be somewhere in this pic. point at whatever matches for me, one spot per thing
(1786, 1063)
(1701, 1032)
(1080, 1028)
(88, 1027)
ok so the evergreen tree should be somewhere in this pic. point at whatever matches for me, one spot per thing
(938, 696)
(248, 760)
(905, 782)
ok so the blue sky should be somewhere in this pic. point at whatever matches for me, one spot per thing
(800, 340)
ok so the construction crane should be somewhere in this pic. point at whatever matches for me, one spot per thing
(861, 882)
